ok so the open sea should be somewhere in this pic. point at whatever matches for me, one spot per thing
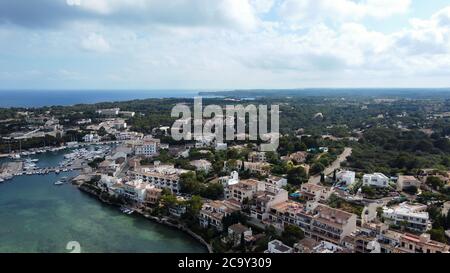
(39, 98)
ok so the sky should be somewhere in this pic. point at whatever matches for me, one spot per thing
(223, 44)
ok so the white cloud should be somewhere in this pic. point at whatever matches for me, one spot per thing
(227, 13)
(313, 10)
(95, 42)
(262, 6)
(228, 44)
(426, 37)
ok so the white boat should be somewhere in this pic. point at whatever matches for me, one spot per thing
(126, 210)
(58, 183)
(7, 177)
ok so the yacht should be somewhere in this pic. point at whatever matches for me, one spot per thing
(58, 183)
(15, 156)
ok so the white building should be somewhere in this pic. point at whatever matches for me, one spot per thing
(232, 179)
(109, 112)
(128, 135)
(135, 190)
(375, 179)
(119, 124)
(275, 181)
(414, 217)
(162, 177)
(91, 138)
(348, 177)
(146, 148)
(277, 246)
(128, 114)
(84, 121)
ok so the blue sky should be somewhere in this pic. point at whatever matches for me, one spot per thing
(223, 44)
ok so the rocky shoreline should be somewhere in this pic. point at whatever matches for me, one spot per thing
(163, 221)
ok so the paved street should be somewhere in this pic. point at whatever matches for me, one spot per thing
(335, 165)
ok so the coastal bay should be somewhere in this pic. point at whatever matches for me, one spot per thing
(37, 216)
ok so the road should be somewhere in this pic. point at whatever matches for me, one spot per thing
(335, 165)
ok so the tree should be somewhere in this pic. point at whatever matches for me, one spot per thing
(169, 200)
(189, 183)
(212, 191)
(102, 131)
(233, 218)
(435, 182)
(193, 206)
(369, 191)
(291, 235)
(322, 177)
(317, 168)
(438, 234)
(380, 213)
(296, 175)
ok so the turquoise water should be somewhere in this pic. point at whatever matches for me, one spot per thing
(37, 216)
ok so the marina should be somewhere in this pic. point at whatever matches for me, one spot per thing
(68, 159)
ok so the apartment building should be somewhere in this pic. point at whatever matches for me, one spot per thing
(128, 114)
(318, 221)
(153, 196)
(275, 181)
(373, 238)
(128, 135)
(410, 243)
(109, 112)
(262, 168)
(135, 190)
(212, 213)
(162, 177)
(414, 217)
(257, 157)
(331, 224)
(245, 189)
(264, 200)
(314, 192)
(146, 147)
